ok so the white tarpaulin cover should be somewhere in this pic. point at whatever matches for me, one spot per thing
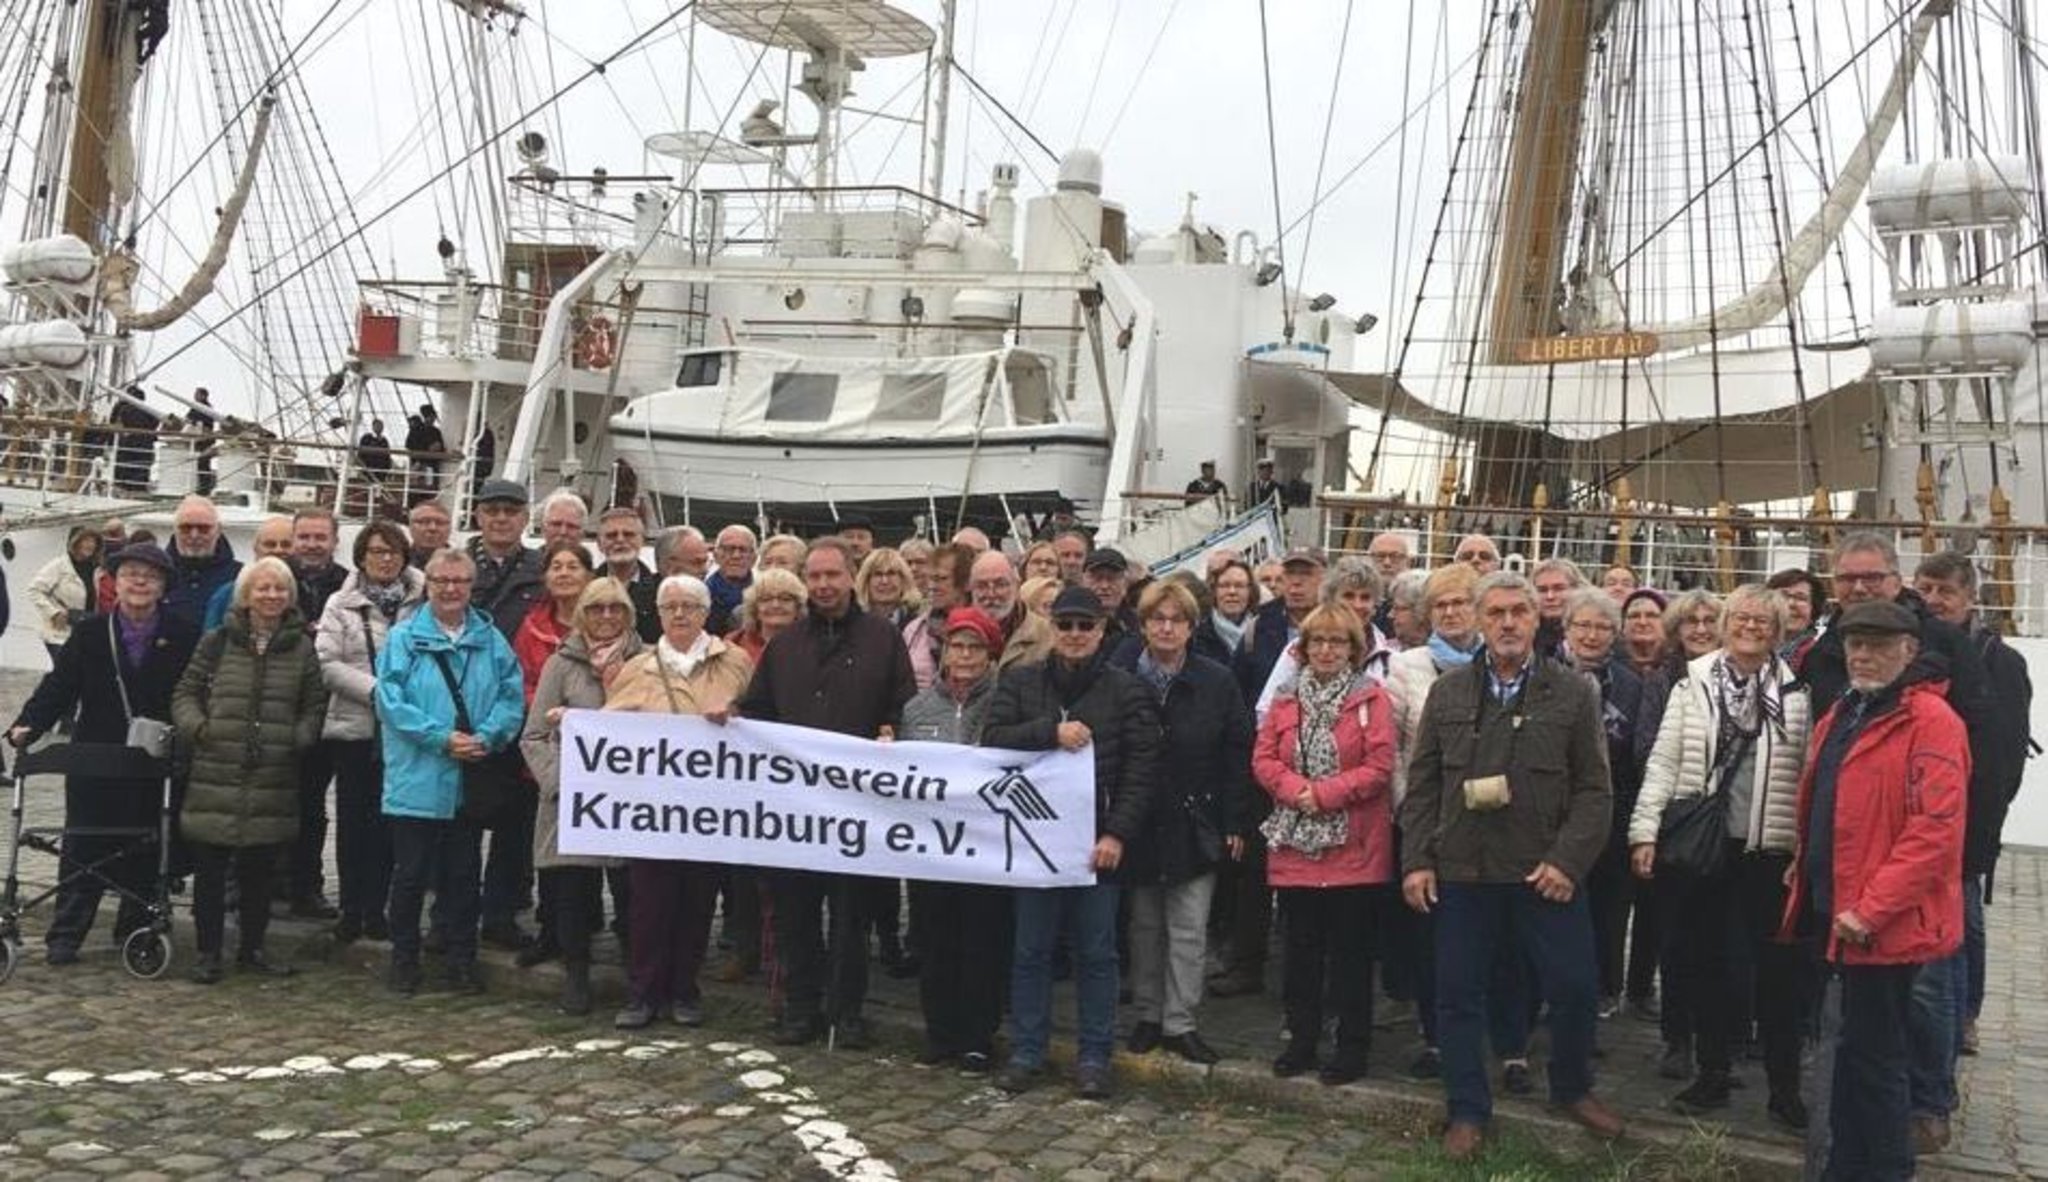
(763, 794)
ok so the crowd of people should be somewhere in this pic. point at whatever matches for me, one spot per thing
(1505, 800)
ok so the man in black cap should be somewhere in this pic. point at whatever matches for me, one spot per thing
(508, 582)
(859, 533)
(1264, 487)
(1107, 573)
(1878, 881)
(1202, 487)
(1076, 700)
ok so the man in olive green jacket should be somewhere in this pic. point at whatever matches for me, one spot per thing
(1508, 807)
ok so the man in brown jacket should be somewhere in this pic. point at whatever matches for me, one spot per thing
(1027, 636)
(1507, 809)
(845, 671)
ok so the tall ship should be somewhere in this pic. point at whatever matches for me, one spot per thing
(1691, 287)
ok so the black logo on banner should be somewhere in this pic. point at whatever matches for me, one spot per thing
(1021, 805)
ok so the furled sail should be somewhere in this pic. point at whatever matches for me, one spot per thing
(117, 274)
(1803, 255)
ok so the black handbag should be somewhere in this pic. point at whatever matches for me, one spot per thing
(1692, 839)
(490, 784)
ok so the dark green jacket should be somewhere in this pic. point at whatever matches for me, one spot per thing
(246, 719)
(1549, 744)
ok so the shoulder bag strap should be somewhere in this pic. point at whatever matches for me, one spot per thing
(462, 720)
(120, 682)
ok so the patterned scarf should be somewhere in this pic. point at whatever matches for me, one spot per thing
(1745, 704)
(607, 660)
(1320, 699)
(385, 597)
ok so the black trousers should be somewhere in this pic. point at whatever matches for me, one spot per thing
(446, 856)
(309, 849)
(1645, 943)
(961, 973)
(1610, 891)
(1870, 1107)
(252, 867)
(825, 970)
(508, 872)
(1251, 911)
(362, 837)
(129, 861)
(575, 895)
(1328, 955)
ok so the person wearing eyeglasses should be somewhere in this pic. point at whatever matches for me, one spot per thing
(576, 676)
(354, 629)
(1076, 700)
(733, 554)
(620, 535)
(443, 667)
(1736, 726)
(115, 666)
(774, 601)
(1866, 570)
(1592, 625)
(202, 561)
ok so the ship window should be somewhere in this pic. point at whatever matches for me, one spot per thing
(700, 369)
(1030, 389)
(802, 397)
(911, 398)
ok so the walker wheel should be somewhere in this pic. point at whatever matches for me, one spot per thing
(10, 955)
(146, 953)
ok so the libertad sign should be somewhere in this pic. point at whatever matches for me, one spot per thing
(1618, 346)
(762, 794)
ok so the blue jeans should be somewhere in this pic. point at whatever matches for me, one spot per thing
(1934, 1033)
(1090, 914)
(1472, 921)
(1973, 944)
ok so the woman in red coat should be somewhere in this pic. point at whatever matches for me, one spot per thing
(565, 571)
(1326, 756)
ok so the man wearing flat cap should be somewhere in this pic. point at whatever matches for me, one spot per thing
(508, 582)
(1877, 881)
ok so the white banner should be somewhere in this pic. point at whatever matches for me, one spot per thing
(762, 794)
(1255, 536)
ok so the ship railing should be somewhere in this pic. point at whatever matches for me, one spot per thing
(401, 319)
(1676, 548)
(609, 211)
(72, 460)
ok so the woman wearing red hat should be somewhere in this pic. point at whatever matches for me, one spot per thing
(961, 975)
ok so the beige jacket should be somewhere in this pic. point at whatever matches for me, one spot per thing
(715, 684)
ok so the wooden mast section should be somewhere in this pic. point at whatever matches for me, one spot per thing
(88, 189)
(1543, 160)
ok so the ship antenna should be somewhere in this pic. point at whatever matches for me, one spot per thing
(1273, 170)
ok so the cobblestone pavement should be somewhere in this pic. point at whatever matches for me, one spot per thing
(338, 1077)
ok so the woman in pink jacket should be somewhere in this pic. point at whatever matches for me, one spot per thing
(1326, 756)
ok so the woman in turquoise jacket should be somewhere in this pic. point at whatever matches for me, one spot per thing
(429, 738)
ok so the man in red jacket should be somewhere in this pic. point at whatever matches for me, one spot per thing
(1878, 877)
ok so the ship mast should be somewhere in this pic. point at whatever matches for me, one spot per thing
(1542, 162)
(88, 188)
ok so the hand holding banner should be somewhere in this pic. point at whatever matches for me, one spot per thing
(763, 794)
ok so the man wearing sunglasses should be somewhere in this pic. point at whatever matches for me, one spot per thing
(1076, 701)
(202, 562)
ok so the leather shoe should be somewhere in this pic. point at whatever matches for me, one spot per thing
(403, 977)
(61, 954)
(207, 970)
(257, 961)
(1017, 1078)
(1144, 1037)
(314, 906)
(1094, 1081)
(1595, 1117)
(637, 1015)
(1930, 1135)
(1298, 1059)
(1190, 1046)
(1788, 1110)
(851, 1033)
(1237, 984)
(506, 934)
(795, 1032)
(1462, 1139)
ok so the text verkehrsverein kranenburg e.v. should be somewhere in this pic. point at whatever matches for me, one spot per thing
(762, 794)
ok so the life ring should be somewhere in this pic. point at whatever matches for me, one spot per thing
(598, 344)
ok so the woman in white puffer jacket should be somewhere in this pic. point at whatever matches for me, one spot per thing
(1737, 724)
